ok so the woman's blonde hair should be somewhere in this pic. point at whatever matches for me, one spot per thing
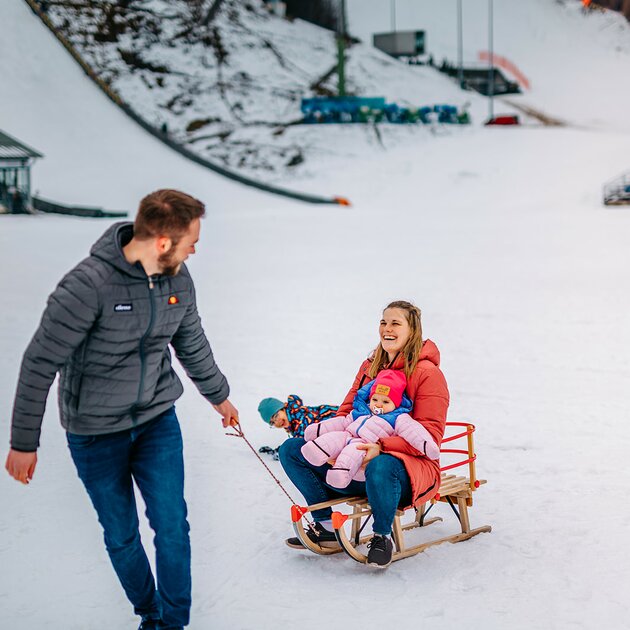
(411, 350)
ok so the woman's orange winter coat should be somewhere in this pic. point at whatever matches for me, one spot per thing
(426, 387)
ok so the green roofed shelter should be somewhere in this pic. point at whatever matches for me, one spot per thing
(16, 160)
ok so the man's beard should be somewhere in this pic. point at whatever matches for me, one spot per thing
(168, 266)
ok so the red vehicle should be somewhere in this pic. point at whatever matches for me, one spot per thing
(511, 119)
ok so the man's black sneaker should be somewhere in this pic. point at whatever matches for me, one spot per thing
(380, 551)
(320, 536)
(156, 624)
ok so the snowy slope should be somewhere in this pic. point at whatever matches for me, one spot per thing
(67, 118)
(497, 234)
(231, 90)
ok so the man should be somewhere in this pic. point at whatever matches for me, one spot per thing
(106, 330)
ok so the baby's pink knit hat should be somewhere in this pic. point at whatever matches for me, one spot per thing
(390, 383)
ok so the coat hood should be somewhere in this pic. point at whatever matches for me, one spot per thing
(430, 352)
(109, 248)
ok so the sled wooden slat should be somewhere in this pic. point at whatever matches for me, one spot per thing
(325, 504)
(454, 489)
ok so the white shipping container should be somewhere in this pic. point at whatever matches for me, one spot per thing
(400, 43)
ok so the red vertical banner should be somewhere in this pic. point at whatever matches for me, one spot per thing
(507, 65)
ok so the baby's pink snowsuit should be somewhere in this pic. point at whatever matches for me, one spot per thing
(338, 438)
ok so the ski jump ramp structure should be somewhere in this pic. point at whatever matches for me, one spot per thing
(162, 137)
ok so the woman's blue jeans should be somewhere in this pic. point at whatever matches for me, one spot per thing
(151, 455)
(387, 484)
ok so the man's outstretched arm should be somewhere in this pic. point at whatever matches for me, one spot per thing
(69, 315)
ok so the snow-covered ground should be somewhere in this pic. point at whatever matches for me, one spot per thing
(500, 237)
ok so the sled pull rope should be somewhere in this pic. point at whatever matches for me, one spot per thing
(239, 433)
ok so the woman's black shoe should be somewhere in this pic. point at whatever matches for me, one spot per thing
(318, 534)
(380, 551)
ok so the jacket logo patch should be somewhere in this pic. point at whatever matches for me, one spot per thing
(382, 389)
(123, 308)
(173, 299)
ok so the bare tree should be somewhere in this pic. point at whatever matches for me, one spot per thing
(326, 13)
(197, 10)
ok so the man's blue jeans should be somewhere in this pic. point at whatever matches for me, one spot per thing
(387, 484)
(151, 455)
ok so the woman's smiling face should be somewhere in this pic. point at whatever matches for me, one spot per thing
(394, 331)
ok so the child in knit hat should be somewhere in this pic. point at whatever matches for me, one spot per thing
(293, 416)
(381, 409)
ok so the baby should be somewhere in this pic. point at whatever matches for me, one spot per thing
(380, 409)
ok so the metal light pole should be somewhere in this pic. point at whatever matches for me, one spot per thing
(460, 46)
(491, 50)
(393, 10)
(341, 50)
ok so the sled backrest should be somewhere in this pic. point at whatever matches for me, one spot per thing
(469, 451)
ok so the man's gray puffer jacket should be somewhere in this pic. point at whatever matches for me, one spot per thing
(107, 332)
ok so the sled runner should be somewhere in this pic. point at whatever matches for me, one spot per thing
(456, 491)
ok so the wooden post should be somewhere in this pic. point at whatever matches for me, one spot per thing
(463, 514)
(420, 513)
(356, 523)
(397, 534)
(471, 455)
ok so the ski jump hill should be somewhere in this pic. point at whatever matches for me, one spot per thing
(53, 106)
(160, 135)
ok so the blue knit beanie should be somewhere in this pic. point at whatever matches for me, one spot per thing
(268, 407)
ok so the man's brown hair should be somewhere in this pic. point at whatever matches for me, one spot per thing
(166, 212)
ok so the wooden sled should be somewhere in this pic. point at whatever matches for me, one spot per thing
(456, 491)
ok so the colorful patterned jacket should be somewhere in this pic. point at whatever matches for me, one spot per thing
(300, 416)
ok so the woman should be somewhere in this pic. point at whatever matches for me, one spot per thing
(396, 474)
